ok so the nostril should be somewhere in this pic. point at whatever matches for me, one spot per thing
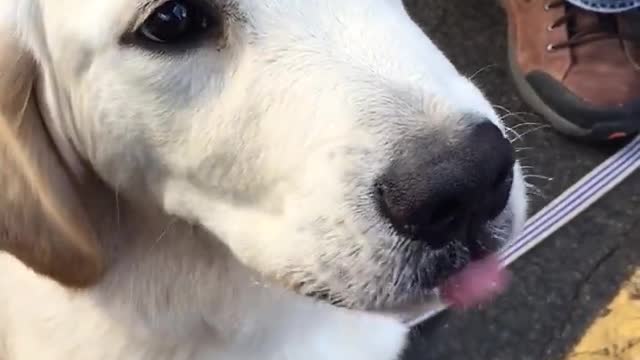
(395, 212)
(379, 191)
(503, 177)
(501, 190)
(430, 221)
(380, 197)
(444, 214)
(442, 192)
(439, 222)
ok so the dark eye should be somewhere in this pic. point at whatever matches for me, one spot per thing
(178, 22)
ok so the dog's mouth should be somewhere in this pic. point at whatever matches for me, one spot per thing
(462, 277)
(476, 283)
(480, 281)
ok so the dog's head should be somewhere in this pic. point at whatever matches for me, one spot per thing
(327, 143)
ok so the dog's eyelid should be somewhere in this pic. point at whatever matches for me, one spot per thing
(147, 7)
(195, 22)
(144, 11)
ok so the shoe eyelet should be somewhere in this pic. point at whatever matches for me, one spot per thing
(547, 7)
(550, 47)
(550, 28)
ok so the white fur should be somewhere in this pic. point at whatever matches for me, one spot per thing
(241, 167)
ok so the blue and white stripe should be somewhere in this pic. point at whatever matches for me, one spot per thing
(607, 6)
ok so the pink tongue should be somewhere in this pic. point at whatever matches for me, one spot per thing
(477, 283)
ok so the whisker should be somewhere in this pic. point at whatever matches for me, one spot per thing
(166, 230)
(517, 115)
(529, 124)
(543, 126)
(541, 177)
(533, 190)
(481, 70)
(117, 198)
(502, 108)
(519, 149)
(511, 131)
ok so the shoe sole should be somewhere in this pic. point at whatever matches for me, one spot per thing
(598, 133)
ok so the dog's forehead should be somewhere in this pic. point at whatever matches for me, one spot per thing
(314, 14)
(104, 20)
(92, 23)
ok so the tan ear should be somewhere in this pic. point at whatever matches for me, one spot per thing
(42, 219)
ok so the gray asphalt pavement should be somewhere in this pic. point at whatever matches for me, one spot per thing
(561, 286)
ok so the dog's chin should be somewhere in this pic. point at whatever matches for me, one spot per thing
(457, 275)
(405, 311)
(475, 284)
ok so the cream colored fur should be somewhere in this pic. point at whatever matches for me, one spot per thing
(178, 206)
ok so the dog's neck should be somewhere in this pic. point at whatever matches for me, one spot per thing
(184, 281)
(157, 260)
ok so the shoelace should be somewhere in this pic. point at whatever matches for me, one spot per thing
(605, 28)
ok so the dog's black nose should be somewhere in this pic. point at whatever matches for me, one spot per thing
(439, 190)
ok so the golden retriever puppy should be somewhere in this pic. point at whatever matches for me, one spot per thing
(238, 179)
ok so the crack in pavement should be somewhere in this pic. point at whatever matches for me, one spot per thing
(571, 316)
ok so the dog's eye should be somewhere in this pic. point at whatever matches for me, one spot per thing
(178, 22)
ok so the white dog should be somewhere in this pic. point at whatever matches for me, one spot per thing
(238, 179)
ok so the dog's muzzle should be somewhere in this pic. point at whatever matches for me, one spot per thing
(441, 190)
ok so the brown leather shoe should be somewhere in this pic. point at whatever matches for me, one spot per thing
(579, 69)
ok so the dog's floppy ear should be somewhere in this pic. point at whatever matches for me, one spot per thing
(42, 219)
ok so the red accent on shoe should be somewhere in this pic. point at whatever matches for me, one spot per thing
(617, 135)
